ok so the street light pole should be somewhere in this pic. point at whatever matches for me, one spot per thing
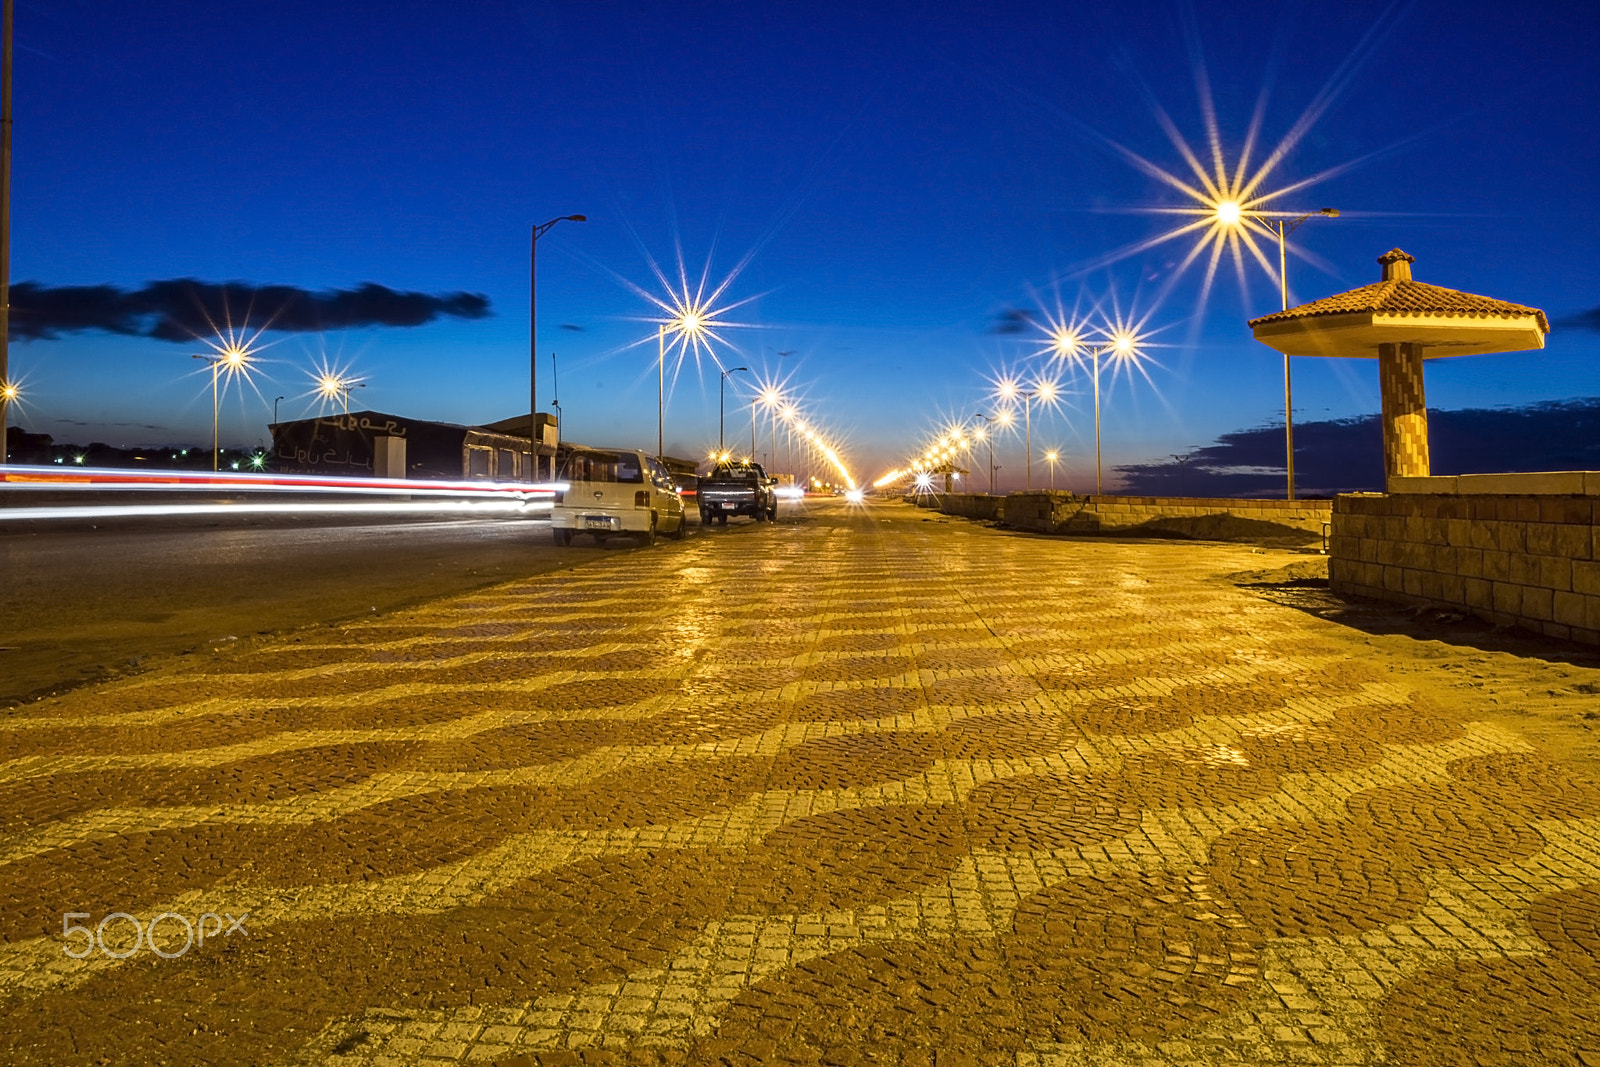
(275, 409)
(1284, 228)
(1027, 439)
(533, 342)
(988, 436)
(722, 393)
(661, 390)
(215, 453)
(6, 385)
(1097, 489)
(8, 393)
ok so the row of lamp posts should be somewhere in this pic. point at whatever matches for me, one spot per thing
(1122, 344)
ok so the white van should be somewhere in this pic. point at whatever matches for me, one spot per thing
(615, 491)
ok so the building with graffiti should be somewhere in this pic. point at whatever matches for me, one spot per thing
(378, 444)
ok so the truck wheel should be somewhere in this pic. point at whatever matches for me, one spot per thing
(772, 513)
(563, 537)
(722, 518)
(761, 514)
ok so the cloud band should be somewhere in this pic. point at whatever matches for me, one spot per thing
(182, 309)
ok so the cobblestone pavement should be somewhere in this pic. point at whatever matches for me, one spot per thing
(866, 788)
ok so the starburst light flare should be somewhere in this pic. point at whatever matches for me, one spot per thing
(1234, 191)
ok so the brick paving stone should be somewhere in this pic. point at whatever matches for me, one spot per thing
(914, 794)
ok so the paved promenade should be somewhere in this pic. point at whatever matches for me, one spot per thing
(869, 787)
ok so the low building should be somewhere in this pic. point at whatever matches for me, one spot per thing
(391, 446)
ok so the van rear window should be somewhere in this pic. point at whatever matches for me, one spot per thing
(604, 467)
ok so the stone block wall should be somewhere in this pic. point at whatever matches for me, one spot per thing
(1115, 513)
(968, 505)
(1525, 558)
(1059, 511)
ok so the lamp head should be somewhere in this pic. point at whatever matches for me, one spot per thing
(1331, 212)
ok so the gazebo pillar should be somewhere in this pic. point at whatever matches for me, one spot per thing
(1405, 411)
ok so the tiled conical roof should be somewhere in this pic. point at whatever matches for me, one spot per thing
(1399, 295)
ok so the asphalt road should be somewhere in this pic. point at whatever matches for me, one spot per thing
(83, 603)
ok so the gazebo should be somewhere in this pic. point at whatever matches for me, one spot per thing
(1401, 322)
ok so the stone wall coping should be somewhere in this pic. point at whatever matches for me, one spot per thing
(1251, 503)
(1542, 483)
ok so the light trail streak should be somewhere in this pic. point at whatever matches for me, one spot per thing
(110, 479)
(482, 496)
(117, 511)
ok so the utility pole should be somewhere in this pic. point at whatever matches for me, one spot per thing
(5, 228)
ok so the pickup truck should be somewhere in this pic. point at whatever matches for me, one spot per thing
(736, 489)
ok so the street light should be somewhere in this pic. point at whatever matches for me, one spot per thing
(771, 399)
(337, 387)
(788, 414)
(275, 409)
(6, 384)
(533, 343)
(1042, 390)
(235, 359)
(1051, 457)
(1123, 343)
(1283, 229)
(722, 392)
(690, 321)
(989, 437)
(8, 393)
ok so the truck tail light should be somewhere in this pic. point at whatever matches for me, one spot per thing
(641, 499)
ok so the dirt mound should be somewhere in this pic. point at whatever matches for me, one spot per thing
(1224, 528)
(1305, 571)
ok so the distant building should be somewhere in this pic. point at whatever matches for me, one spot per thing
(392, 446)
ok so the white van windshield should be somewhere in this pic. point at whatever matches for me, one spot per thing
(604, 467)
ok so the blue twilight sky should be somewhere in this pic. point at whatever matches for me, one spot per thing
(883, 187)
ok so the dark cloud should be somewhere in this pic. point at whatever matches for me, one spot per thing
(1014, 320)
(1346, 455)
(134, 425)
(1583, 320)
(183, 309)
